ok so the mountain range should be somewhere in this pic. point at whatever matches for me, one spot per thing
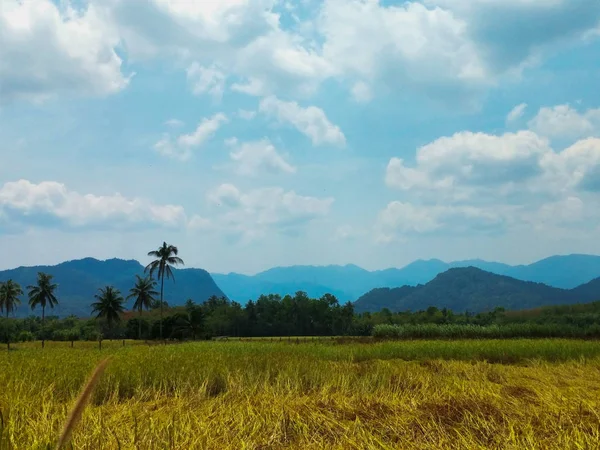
(349, 282)
(420, 284)
(475, 290)
(79, 280)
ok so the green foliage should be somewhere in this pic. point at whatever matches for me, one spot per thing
(109, 305)
(42, 293)
(10, 291)
(469, 331)
(166, 258)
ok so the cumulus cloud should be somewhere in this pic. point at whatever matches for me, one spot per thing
(448, 50)
(49, 50)
(457, 167)
(182, 147)
(250, 215)
(310, 121)
(563, 121)
(509, 34)
(480, 182)
(51, 203)
(253, 158)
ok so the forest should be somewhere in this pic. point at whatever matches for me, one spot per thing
(298, 315)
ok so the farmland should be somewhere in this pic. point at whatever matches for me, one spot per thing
(323, 394)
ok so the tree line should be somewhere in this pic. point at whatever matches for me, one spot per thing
(269, 315)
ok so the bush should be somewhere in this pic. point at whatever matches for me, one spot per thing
(468, 331)
(25, 336)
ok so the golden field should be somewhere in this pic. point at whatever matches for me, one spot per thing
(496, 394)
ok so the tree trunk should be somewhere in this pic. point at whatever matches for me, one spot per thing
(43, 317)
(162, 287)
(7, 336)
(140, 325)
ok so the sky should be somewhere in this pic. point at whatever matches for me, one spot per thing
(261, 133)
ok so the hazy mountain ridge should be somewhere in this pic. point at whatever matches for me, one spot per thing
(475, 290)
(349, 282)
(79, 280)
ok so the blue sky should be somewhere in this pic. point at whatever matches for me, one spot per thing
(256, 133)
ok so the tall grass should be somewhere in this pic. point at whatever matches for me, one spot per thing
(259, 395)
(459, 331)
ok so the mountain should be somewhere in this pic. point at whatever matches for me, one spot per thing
(79, 280)
(350, 282)
(559, 271)
(475, 290)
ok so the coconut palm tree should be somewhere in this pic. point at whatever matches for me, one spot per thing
(43, 294)
(9, 296)
(9, 300)
(109, 305)
(166, 256)
(144, 295)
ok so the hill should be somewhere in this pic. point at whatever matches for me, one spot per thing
(350, 281)
(79, 280)
(475, 290)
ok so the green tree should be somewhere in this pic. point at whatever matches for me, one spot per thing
(144, 294)
(43, 294)
(166, 257)
(109, 305)
(10, 292)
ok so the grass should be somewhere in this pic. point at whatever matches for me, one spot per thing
(534, 394)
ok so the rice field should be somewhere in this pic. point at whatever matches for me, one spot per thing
(471, 394)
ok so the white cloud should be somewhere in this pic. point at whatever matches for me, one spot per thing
(226, 195)
(480, 182)
(243, 38)
(252, 214)
(576, 168)
(399, 219)
(562, 121)
(503, 33)
(181, 148)
(252, 158)
(310, 121)
(427, 49)
(516, 113)
(49, 50)
(50, 202)
(206, 80)
(465, 164)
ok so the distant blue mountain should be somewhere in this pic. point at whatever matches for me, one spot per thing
(79, 280)
(349, 282)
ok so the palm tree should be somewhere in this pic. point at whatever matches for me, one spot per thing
(9, 296)
(43, 294)
(144, 294)
(9, 300)
(166, 256)
(109, 305)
